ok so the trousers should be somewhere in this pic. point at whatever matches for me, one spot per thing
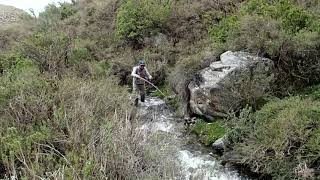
(139, 91)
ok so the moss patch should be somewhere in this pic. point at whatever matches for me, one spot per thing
(209, 132)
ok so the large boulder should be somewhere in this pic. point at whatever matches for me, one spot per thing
(227, 85)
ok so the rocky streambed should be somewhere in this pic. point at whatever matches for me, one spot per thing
(193, 159)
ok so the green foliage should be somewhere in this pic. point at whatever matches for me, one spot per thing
(313, 92)
(99, 69)
(293, 17)
(53, 15)
(14, 142)
(209, 132)
(66, 10)
(81, 51)
(224, 29)
(55, 128)
(19, 74)
(49, 51)
(139, 18)
(280, 137)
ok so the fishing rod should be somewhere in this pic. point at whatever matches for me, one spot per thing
(151, 85)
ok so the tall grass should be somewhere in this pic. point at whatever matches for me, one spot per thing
(81, 129)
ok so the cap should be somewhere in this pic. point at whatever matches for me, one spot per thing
(141, 62)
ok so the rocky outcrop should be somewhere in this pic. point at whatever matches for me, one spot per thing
(227, 85)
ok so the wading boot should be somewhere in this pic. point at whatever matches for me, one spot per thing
(136, 101)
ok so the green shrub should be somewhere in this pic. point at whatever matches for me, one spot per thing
(19, 74)
(81, 51)
(209, 132)
(139, 18)
(255, 35)
(313, 92)
(293, 17)
(279, 138)
(67, 10)
(49, 51)
(224, 29)
(53, 15)
(99, 69)
(258, 7)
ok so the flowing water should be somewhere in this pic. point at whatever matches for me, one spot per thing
(194, 160)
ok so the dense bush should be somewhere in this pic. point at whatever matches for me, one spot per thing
(279, 139)
(55, 14)
(19, 74)
(139, 18)
(224, 29)
(293, 17)
(49, 50)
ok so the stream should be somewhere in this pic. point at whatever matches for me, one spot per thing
(194, 159)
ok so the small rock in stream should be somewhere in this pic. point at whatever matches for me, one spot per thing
(219, 145)
(189, 121)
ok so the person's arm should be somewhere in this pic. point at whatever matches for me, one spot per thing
(133, 73)
(148, 74)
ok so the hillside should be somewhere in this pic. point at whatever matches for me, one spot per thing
(15, 24)
(9, 14)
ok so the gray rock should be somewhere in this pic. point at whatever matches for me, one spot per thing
(227, 85)
(219, 145)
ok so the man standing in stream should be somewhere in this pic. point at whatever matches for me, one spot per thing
(139, 73)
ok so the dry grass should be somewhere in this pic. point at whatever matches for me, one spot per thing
(80, 131)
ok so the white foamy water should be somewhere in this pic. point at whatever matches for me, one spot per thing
(157, 126)
(202, 167)
(157, 117)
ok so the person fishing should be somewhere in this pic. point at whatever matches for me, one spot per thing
(140, 75)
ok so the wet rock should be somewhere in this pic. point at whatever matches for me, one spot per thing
(229, 84)
(188, 121)
(219, 145)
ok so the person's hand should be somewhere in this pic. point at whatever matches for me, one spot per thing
(150, 78)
